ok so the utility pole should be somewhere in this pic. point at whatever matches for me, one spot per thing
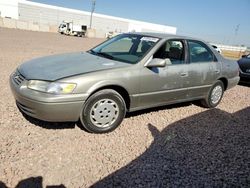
(236, 29)
(92, 11)
(236, 32)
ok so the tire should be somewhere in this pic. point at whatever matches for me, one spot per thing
(103, 111)
(214, 96)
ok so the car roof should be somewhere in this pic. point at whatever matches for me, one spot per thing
(165, 35)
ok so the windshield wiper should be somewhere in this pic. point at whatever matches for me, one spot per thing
(104, 55)
(92, 51)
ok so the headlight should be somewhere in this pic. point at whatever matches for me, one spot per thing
(51, 87)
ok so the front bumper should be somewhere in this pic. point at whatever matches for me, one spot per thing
(47, 107)
(244, 77)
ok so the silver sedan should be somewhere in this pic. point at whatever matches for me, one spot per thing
(126, 73)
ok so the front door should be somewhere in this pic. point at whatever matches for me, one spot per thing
(166, 84)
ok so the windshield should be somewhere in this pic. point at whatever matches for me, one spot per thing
(129, 48)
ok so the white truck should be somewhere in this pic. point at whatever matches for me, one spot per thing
(69, 28)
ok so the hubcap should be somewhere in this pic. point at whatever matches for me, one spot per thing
(104, 112)
(216, 94)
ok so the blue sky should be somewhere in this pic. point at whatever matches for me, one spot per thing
(212, 20)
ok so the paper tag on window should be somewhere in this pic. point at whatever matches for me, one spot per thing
(150, 39)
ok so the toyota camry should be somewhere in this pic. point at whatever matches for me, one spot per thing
(126, 73)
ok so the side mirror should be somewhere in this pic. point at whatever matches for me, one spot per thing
(244, 56)
(156, 62)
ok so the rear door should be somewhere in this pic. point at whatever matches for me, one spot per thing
(203, 68)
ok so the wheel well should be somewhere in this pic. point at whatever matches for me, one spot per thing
(225, 82)
(123, 92)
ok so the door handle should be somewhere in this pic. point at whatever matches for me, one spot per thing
(184, 74)
(217, 71)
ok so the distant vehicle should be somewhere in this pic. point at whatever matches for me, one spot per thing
(217, 49)
(69, 28)
(244, 64)
(128, 72)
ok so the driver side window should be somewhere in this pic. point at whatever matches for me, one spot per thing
(172, 51)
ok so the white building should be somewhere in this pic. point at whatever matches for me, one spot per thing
(42, 14)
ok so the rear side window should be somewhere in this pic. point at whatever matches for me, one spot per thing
(199, 52)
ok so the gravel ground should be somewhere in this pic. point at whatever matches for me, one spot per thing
(173, 146)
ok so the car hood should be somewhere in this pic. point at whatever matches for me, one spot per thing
(244, 61)
(55, 67)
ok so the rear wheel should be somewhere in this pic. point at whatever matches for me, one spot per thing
(103, 111)
(214, 96)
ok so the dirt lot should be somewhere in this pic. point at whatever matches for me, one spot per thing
(233, 55)
(178, 145)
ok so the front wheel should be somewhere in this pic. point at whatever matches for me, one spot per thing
(214, 96)
(103, 111)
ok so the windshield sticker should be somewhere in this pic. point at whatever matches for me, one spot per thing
(150, 39)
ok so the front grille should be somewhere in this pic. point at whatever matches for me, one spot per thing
(245, 70)
(18, 78)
